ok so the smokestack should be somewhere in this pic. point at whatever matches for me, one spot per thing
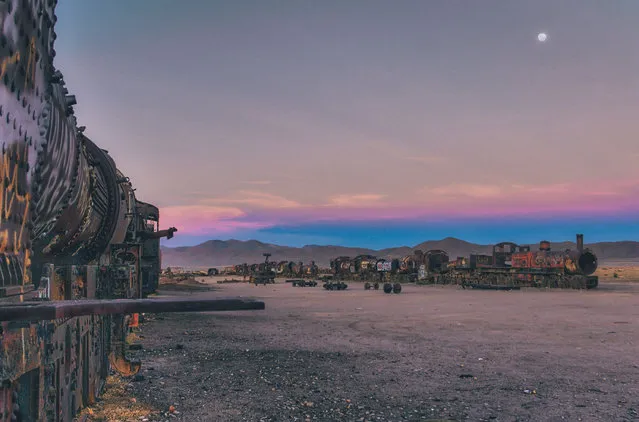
(580, 242)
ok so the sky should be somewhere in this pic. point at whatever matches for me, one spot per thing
(365, 123)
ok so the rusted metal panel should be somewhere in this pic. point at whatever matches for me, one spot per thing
(21, 349)
(436, 260)
(539, 259)
(481, 261)
(422, 273)
(384, 266)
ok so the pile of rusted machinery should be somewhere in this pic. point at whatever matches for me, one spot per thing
(330, 283)
(302, 282)
(326, 280)
(79, 252)
(279, 269)
(510, 265)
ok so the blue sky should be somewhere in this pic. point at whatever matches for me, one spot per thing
(379, 235)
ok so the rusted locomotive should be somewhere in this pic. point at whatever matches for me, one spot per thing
(78, 250)
(296, 269)
(517, 266)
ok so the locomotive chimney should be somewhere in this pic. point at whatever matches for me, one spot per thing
(580, 242)
(544, 245)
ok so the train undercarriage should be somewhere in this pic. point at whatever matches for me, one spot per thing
(498, 277)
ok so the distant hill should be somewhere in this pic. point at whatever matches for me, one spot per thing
(215, 253)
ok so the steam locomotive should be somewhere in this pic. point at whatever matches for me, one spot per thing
(509, 265)
(78, 250)
(72, 229)
(514, 265)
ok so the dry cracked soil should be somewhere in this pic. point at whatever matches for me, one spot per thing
(428, 353)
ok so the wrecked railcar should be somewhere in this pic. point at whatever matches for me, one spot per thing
(79, 250)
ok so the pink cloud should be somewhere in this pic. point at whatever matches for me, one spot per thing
(192, 218)
(257, 182)
(536, 195)
(255, 210)
(357, 200)
(469, 190)
(256, 199)
(228, 226)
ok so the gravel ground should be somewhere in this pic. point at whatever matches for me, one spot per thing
(429, 353)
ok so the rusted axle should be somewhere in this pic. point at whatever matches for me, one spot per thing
(37, 311)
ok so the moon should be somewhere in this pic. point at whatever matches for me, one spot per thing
(542, 37)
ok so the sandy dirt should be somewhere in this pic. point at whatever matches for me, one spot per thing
(428, 353)
(620, 270)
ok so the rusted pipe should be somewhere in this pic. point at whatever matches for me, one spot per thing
(580, 242)
(36, 311)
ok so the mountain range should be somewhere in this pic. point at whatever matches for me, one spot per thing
(216, 253)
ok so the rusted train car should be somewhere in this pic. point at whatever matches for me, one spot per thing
(371, 268)
(518, 266)
(79, 250)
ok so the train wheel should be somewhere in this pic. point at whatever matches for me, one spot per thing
(388, 287)
(555, 282)
(561, 283)
(376, 286)
(397, 288)
(576, 282)
(367, 286)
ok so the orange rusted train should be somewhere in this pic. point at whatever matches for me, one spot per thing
(512, 265)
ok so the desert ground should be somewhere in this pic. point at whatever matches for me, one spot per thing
(428, 353)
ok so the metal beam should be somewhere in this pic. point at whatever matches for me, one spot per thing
(37, 311)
